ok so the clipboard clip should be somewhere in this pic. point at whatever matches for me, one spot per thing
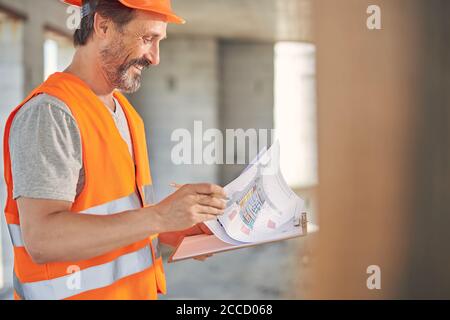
(301, 221)
(304, 223)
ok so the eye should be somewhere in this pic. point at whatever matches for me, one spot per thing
(147, 40)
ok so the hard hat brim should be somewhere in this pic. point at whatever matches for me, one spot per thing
(73, 2)
(171, 16)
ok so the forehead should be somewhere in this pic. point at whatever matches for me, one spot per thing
(149, 23)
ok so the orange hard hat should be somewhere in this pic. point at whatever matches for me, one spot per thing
(157, 6)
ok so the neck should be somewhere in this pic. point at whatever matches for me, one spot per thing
(86, 66)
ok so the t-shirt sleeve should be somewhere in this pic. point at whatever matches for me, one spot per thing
(45, 148)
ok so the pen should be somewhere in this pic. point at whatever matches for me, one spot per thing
(178, 186)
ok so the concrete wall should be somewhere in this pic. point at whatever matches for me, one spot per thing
(247, 91)
(226, 85)
(183, 89)
(262, 20)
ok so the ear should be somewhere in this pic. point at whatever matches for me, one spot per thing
(101, 26)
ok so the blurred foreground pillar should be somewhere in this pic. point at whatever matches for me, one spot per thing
(383, 149)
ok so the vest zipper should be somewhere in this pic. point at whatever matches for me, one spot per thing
(139, 191)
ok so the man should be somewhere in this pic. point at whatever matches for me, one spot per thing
(79, 206)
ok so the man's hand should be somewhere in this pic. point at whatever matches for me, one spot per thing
(191, 205)
(203, 258)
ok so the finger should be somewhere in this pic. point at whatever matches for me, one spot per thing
(208, 189)
(194, 188)
(203, 258)
(212, 202)
(176, 185)
(206, 217)
(200, 259)
(209, 210)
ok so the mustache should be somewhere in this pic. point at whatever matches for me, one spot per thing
(142, 62)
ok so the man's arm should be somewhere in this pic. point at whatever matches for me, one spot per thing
(53, 234)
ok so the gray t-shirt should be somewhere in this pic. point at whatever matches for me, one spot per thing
(46, 150)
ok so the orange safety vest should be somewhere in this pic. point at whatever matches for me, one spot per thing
(111, 180)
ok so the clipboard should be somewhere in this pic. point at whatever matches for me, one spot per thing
(200, 245)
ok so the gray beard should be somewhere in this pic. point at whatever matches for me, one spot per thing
(117, 76)
(128, 84)
(122, 81)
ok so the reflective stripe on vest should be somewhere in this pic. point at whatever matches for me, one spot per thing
(149, 195)
(16, 235)
(131, 202)
(91, 278)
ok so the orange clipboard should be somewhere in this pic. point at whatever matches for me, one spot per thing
(200, 245)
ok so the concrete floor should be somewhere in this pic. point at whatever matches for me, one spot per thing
(266, 272)
(7, 295)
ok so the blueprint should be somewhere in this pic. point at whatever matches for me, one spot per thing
(261, 205)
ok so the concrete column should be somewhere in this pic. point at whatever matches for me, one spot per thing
(33, 53)
(181, 90)
(11, 86)
(247, 92)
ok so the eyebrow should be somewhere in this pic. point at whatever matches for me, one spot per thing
(156, 35)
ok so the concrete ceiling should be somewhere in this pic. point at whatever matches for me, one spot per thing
(261, 20)
(264, 20)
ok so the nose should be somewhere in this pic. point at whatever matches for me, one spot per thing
(153, 54)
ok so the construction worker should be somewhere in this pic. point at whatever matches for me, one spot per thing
(79, 209)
